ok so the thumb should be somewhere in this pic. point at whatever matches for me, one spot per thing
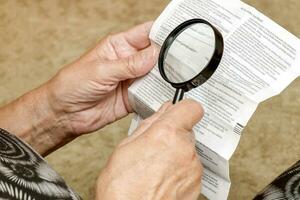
(145, 124)
(183, 115)
(133, 66)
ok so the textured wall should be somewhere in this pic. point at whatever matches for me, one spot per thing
(39, 37)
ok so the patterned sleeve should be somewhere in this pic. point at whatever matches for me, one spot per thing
(285, 187)
(25, 175)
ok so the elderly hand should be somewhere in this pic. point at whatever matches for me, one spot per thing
(158, 161)
(85, 95)
(92, 92)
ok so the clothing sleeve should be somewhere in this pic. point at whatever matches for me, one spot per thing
(25, 175)
(285, 187)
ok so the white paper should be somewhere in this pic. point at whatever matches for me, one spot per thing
(260, 60)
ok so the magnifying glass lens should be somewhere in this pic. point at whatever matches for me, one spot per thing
(189, 53)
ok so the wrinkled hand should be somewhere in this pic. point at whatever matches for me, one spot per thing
(92, 92)
(158, 161)
(85, 95)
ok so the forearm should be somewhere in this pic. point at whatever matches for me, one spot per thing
(31, 118)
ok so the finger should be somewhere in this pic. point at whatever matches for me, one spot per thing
(138, 36)
(121, 45)
(183, 115)
(131, 81)
(131, 67)
(150, 120)
(147, 123)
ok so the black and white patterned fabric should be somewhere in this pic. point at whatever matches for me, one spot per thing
(25, 175)
(285, 187)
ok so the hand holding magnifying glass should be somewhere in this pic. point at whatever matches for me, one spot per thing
(190, 55)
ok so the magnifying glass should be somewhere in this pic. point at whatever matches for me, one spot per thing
(190, 55)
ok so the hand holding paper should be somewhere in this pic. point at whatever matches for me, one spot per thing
(260, 60)
(166, 166)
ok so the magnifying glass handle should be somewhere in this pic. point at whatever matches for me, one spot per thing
(178, 96)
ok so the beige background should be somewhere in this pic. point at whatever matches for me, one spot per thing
(39, 37)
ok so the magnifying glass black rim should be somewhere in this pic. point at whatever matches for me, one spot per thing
(210, 68)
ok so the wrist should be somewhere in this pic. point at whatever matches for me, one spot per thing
(32, 119)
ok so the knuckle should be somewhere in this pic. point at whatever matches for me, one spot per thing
(159, 133)
(130, 64)
(190, 152)
(109, 39)
(165, 134)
